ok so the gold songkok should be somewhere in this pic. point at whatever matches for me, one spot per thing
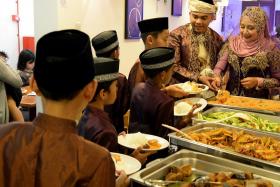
(202, 7)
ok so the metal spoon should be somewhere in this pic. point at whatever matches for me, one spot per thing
(156, 182)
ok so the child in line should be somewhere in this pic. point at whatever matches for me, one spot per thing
(106, 44)
(151, 105)
(95, 124)
(48, 151)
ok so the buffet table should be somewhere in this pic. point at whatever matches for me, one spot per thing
(261, 134)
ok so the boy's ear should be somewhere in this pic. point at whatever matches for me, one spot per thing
(90, 90)
(149, 40)
(33, 85)
(162, 75)
(115, 53)
(102, 94)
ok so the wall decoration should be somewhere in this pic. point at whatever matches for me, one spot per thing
(133, 14)
(176, 8)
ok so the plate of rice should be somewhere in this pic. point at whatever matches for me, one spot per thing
(147, 141)
(192, 87)
(183, 106)
(127, 163)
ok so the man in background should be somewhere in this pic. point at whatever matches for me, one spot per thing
(196, 44)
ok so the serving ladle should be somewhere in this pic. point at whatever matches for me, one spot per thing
(177, 130)
(238, 115)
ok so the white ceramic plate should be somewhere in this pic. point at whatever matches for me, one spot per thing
(134, 140)
(32, 93)
(127, 163)
(193, 87)
(183, 106)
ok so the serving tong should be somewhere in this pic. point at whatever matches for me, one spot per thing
(177, 130)
(238, 115)
(201, 180)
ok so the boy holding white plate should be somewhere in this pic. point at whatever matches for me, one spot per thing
(151, 105)
(95, 124)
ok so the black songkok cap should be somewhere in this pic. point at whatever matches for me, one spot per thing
(106, 69)
(104, 42)
(208, 1)
(157, 58)
(153, 25)
(64, 61)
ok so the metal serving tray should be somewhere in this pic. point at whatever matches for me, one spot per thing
(201, 165)
(271, 118)
(277, 113)
(209, 149)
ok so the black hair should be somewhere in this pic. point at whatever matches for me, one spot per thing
(278, 32)
(58, 96)
(109, 53)
(151, 73)
(24, 57)
(14, 92)
(154, 34)
(3, 54)
(102, 85)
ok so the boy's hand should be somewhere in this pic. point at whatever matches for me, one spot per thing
(122, 180)
(141, 155)
(175, 91)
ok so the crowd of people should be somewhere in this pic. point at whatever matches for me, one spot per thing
(69, 143)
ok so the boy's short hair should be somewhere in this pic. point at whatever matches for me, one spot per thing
(102, 86)
(152, 73)
(63, 64)
(156, 60)
(153, 34)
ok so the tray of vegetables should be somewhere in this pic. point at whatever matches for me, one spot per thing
(244, 119)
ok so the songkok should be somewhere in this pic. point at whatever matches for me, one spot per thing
(64, 61)
(153, 25)
(106, 69)
(157, 58)
(105, 42)
(202, 6)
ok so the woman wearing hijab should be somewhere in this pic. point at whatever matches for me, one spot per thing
(250, 61)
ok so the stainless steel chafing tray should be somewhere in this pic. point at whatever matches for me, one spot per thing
(201, 165)
(277, 113)
(271, 118)
(230, 154)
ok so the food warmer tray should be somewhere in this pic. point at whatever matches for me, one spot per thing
(277, 113)
(201, 165)
(271, 118)
(209, 149)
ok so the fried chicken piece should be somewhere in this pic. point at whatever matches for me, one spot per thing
(258, 183)
(186, 170)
